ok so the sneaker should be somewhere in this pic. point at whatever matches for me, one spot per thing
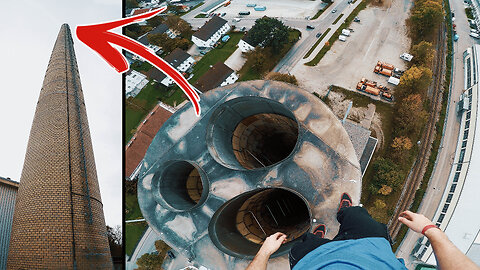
(320, 230)
(345, 201)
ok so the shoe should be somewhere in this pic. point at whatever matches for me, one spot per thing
(345, 201)
(320, 230)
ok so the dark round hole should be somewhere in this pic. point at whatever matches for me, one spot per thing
(251, 132)
(240, 226)
(264, 139)
(181, 185)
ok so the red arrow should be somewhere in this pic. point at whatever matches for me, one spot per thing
(100, 39)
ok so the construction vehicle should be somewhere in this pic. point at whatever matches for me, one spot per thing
(383, 71)
(372, 88)
(368, 82)
(385, 65)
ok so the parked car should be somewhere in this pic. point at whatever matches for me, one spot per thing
(356, 19)
(474, 35)
(318, 35)
(203, 52)
(223, 14)
(243, 29)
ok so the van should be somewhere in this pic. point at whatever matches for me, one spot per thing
(342, 38)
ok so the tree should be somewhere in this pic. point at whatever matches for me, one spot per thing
(415, 80)
(387, 173)
(150, 261)
(410, 116)
(426, 17)
(114, 236)
(178, 24)
(131, 187)
(269, 32)
(275, 76)
(155, 21)
(423, 54)
(379, 204)
(131, 4)
(402, 143)
(385, 190)
(257, 58)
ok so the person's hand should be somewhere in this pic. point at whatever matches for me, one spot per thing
(414, 221)
(272, 243)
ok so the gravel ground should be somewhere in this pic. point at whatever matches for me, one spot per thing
(380, 36)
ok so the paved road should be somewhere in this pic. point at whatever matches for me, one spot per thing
(321, 25)
(438, 182)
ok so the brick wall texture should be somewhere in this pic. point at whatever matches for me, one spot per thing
(58, 221)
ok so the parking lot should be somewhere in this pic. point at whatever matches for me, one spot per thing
(379, 36)
(278, 8)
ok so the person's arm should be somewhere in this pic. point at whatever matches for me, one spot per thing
(447, 254)
(270, 245)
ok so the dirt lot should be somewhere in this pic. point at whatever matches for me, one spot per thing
(278, 8)
(380, 36)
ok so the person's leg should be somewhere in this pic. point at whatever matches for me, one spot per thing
(356, 222)
(309, 242)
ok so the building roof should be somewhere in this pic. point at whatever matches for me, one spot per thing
(156, 74)
(176, 57)
(247, 39)
(143, 39)
(162, 28)
(210, 28)
(214, 77)
(9, 182)
(146, 131)
(140, 11)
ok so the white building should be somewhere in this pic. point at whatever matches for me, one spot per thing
(219, 75)
(134, 82)
(458, 214)
(210, 32)
(178, 59)
(211, 7)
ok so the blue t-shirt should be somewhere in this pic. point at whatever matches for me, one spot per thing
(365, 253)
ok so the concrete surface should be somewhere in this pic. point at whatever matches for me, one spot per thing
(380, 36)
(236, 60)
(320, 168)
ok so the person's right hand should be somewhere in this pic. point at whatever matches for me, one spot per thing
(414, 221)
(272, 243)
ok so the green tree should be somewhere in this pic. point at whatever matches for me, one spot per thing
(423, 54)
(387, 173)
(155, 21)
(178, 24)
(269, 32)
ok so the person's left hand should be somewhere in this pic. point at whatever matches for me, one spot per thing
(272, 243)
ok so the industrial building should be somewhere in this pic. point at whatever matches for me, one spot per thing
(58, 221)
(263, 156)
(8, 193)
(457, 213)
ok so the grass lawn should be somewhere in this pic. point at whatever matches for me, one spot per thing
(246, 73)
(191, 9)
(132, 210)
(201, 16)
(316, 43)
(321, 11)
(219, 54)
(133, 233)
(338, 18)
(137, 108)
(141, 66)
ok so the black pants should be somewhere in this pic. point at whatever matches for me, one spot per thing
(355, 223)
